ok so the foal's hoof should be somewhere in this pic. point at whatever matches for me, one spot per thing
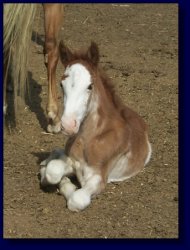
(78, 201)
(66, 187)
(54, 128)
(54, 171)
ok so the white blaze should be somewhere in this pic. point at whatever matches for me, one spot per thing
(76, 92)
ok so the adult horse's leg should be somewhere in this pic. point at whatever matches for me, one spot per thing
(5, 83)
(53, 19)
(4, 90)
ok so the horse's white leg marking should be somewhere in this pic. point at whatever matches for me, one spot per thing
(66, 187)
(81, 198)
(54, 171)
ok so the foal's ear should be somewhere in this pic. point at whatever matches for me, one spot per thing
(93, 53)
(65, 53)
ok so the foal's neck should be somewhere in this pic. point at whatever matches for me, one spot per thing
(104, 106)
(108, 102)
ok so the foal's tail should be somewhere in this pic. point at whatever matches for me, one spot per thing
(17, 24)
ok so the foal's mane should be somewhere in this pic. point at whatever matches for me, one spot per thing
(126, 113)
(82, 57)
(110, 89)
(107, 83)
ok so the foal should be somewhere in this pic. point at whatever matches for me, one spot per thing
(107, 140)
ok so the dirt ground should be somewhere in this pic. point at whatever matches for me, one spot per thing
(139, 50)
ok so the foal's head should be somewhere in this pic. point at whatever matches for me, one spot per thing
(77, 85)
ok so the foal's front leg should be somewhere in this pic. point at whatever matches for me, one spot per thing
(78, 200)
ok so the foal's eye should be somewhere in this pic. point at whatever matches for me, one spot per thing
(90, 87)
(61, 85)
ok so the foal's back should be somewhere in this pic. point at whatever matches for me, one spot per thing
(135, 151)
(129, 138)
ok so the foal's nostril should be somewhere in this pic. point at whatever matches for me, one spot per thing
(72, 124)
(75, 124)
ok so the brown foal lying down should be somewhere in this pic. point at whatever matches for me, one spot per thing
(107, 140)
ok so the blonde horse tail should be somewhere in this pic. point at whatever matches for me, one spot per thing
(17, 31)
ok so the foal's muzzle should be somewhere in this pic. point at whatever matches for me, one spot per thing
(69, 126)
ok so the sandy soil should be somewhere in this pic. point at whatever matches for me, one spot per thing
(139, 51)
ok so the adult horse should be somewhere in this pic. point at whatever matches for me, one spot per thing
(18, 21)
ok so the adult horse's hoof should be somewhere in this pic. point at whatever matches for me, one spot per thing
(54, 128)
